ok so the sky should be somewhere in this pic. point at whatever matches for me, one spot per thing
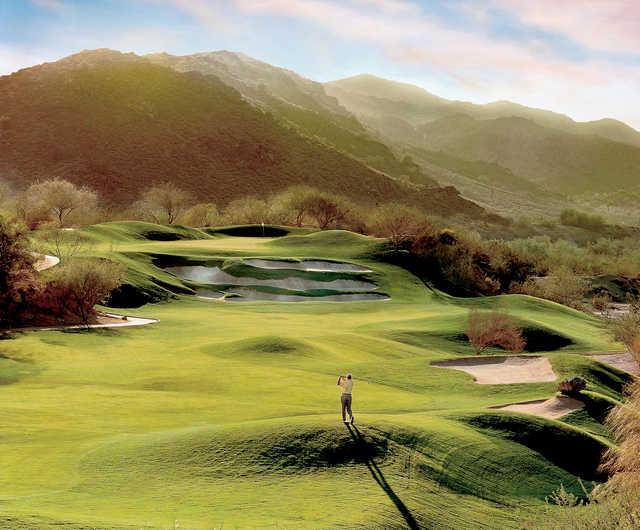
(578, 57)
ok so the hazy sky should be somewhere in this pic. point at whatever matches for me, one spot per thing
(579, 57)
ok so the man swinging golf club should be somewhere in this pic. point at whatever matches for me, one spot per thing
(345, 382)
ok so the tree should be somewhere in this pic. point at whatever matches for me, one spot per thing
(60, 197)
(79, 285)
(164, 203)
(248, 210)
(65, 244)
(17, 275)
(493, 328)
(295, 202)
(399, 224)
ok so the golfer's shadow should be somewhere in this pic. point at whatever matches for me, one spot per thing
(377, 475)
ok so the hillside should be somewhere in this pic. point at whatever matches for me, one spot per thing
(119, 123)
(375, 98)
(300, 103)
(549, 150)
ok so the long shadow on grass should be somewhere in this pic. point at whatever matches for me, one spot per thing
(379, 478)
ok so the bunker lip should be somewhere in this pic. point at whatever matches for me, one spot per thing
(305, 265)
(553, 408)
(621, 360)
(503, 370)
(250, 295)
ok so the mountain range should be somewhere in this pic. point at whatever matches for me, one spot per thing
(224, 125)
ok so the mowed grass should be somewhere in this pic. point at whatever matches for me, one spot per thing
(226, 415)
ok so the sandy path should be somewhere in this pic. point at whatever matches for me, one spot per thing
(553, 408)
(45, 262)
(622, 361)
(305, 265)
(503, 370)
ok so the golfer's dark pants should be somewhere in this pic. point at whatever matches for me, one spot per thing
(346, 406)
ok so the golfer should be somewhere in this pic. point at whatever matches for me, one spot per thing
(345, 382)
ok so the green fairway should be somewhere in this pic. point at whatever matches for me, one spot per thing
(226, 415)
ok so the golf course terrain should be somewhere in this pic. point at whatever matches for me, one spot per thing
(225, 412)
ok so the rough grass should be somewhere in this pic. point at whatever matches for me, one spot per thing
(228, 414)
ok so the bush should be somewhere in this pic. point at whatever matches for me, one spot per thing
(493, 328)
(76, 287)
(569, 217)
(572, 386)
(626, 329)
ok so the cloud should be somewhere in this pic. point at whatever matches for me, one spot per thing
(608, 25)
(53, 5)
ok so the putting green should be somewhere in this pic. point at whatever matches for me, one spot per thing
(227, 415)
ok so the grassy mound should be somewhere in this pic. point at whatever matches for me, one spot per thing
(572, 449)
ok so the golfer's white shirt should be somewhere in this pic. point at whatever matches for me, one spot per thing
(347, 386)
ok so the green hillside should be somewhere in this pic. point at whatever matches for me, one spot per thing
(225, 414)
(298, 102)
(548, 149)
(119, 123)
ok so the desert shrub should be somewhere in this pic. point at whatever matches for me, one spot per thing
(464, 264)
(59, 198)
(562, 286)
(570, 217)
(601, 301)
(572, 386)
(493, 328)
(626, 329)
(74, 288)
(163, 203)
(399, 224)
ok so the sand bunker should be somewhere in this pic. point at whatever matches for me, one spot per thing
(45, 262)
(209, 294)
(503, 370)
(306, 265)
(105, 320)
(249, 295)
(622, 361)
(553, 408)
(213, 275)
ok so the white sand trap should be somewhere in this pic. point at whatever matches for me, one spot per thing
(622, 361)
(45, 262)
(209, 294)
(214, 275)
(553, 408)
(305, 265)
(250, 295)
(105, 320)
(503, 370)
